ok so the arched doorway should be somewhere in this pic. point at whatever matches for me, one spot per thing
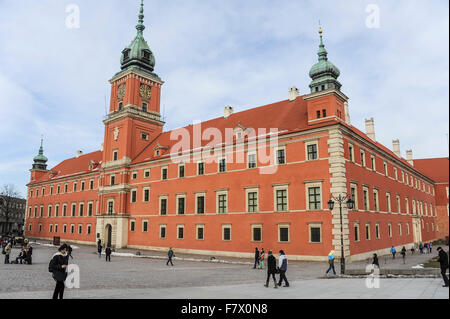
(108, 235)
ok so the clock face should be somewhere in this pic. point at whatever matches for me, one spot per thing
(145, 91)
(121, 91)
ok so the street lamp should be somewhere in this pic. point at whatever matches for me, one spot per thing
(341, 199)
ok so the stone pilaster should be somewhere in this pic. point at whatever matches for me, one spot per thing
(338, 183)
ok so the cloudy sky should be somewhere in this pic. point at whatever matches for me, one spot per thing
(211, 53)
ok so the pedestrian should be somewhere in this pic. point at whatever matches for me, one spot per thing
(108, 253)
(57, 266)
(282, 266)
(427, 248)
(331, 259)
(170, 254)
(7, 252)
(403, 253)
(271, 269)
(256, 258)
(261, 259)
(443, 261)
(99, 250)
(431, 247)
(421, 248)
(412, 250)
(29, 254)
(375, 261)
(393, 252)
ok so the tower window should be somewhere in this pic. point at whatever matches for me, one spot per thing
(144, 107)
(144, 136)
(318, 114)
(120, 106)
(323, 87)
(126, 54)
(115, 155)
(324, 113)
(146, 55)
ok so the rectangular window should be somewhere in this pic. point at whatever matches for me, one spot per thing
(56, 228)
(281, 157)
(134, 175)
(72, 229)
(113, 180)
(91, 184)
(110, 207)
(51, 190)
(314, 198)
(356, 229)
(200, 204)
(80, 229)
(252, 202)
(398, 204)
(75, 186)
(81, 209)
(372, 159)
(375, 200)
(147, 173)
(73, 210)
(115, 155)
(222, 165)
(353, 195)
(180, 232)
(366, 199)
(145, 226)
(181, 205)
(133, 196)
(363, 159)
(146, 195)
(164, 173)
(315, 233)
(65, 188)
(222, 201)
(283, 233)
(50, 228)
(65, 229)
(200, 232)
(282, 200)
(132, 225)
(367, 231)
(163, 206)
(181, 171)
(388, 202)
(312, 152)
(89, 228)
(399, 229)
(251, 159)
(377, 231)
(90, 209)
(256, 233)
(82, 186)
(162, 231)
(49, 211)
(64, 210)
(226, 232)
(390, 230)
(385, 169)
(201, 168)
(350, 153)
(144, 105)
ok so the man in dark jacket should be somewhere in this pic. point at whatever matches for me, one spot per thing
(58, 266)
(256, 257)
(108, 253)
(271, 269)
(443, 260)
(170, 254)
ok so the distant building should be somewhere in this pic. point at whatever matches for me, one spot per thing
(438, 170)
(228, 196)
(12, 215)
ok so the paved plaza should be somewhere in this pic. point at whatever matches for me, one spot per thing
(142, 278)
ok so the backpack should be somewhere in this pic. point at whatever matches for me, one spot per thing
(51, 265)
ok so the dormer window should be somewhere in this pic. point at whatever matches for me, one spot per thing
(126, 54)
(146, 54)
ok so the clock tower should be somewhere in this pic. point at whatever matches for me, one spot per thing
(133, 122)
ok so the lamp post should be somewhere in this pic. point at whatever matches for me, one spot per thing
(341, 199)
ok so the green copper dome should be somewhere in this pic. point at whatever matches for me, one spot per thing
(40, 161)
(324, 74)
(138, 53)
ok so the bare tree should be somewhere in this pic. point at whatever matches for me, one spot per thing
(8, 196)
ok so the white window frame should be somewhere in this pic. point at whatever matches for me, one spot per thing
(313, 225)
(275, 198)
(284, 225)
(251, 190)
(309, 185)
(223, 232)
(308, 143)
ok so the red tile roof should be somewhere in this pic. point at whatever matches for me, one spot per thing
(73, 166)
(435, 168)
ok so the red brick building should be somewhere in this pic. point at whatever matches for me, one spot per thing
(257, 178)
(438, 170)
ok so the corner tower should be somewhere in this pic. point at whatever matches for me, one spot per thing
(39, 164)
(326, 101)
(134, 117)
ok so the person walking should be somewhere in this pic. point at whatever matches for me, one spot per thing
(261, 259)
(412, 250)
(403, 253)
(7, 252)
(271, 269)
(331, 259)
(29, 254)
(375, 261)
(393, 252)
(431, 247)
(57, 267)
(443, 261)
(427, 249)
(170, 254)
(99, 249)
(108, 253)
(282, 266)
(421, 248)
(256, 258)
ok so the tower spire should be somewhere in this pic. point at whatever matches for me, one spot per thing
(140, 26)
(40, 161)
